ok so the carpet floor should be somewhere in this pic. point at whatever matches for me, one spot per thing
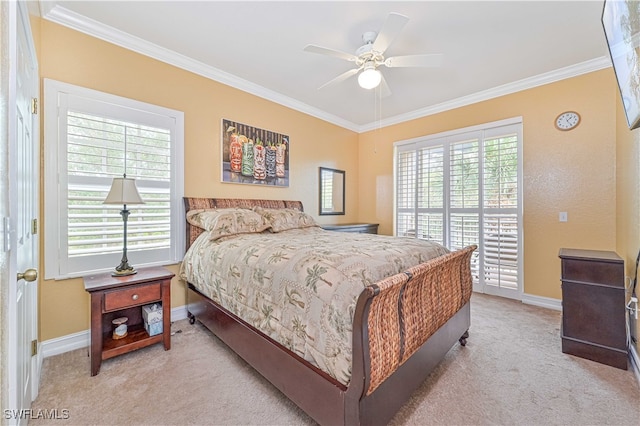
(512, 372)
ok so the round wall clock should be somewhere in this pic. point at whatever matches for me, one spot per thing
(567, 120)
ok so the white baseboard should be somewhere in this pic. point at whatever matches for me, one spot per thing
(82, 339)
(544, 302)
(67, 343)
(179, 313)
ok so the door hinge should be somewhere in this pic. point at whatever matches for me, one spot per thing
(34, 347)
(34, 105)
(34, 227)
(6, 230)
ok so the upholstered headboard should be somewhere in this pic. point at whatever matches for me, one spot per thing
(191, 203)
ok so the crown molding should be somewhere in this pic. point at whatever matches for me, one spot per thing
(75, 21)
(506, 89)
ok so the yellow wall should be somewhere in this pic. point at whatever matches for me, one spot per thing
(628, 189)
(563, 171)
(75, 58)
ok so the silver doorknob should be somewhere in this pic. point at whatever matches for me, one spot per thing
(28, 275)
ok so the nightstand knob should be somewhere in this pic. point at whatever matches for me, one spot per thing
(134, 297)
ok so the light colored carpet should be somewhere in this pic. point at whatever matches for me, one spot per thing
(512, 372)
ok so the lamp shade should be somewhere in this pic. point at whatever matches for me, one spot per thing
(123, 191)
(369, 78)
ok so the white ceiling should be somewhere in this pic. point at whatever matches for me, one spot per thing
(490, 48)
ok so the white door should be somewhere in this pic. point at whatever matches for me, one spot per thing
(23, 199)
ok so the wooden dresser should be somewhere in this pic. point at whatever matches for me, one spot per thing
(361, 228)
(593, 306)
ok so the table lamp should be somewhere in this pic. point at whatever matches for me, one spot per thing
(123, 191)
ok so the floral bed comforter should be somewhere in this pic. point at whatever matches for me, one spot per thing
(300, 286)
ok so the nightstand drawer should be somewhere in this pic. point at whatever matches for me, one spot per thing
(119, 299)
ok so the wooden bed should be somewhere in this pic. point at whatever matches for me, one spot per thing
(401, 331)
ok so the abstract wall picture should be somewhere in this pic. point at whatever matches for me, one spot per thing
(254, 156)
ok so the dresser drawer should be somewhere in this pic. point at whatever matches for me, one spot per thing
(594, 314)
(589, 271)
(119, 299)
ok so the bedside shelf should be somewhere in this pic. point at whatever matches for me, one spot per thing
(136, 338)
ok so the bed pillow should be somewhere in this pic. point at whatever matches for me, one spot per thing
(285, 219)
(225, 222)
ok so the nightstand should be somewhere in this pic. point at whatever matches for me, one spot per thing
(593, 300)
(360, 228)
(114, 297)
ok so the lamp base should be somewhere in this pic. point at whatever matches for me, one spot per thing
(123, 273)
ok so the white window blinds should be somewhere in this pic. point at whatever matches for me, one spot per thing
(463, 188)
(98, 150)
(96, 137)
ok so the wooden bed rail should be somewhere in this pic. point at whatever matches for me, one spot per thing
(404, 310)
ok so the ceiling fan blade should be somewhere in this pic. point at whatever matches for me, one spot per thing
(390, 30)
(329, 52)
(431, 60)
(342, 77)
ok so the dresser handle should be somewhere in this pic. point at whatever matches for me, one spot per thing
(134, 297)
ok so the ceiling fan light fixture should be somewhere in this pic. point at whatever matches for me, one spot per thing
(369, 78)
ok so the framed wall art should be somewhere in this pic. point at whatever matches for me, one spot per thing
(621, 22)
(254, 156)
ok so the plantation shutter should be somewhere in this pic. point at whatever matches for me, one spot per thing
(98, 141)
(99, 149)
(430, 198)
(501, 219)
(406, 193)
(464, 199)
(461, 189)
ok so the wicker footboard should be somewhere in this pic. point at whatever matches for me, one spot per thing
(407, 308)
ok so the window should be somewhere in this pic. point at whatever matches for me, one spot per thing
(90, 138)
(464, 187)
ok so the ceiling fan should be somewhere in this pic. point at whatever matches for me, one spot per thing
(370, 56)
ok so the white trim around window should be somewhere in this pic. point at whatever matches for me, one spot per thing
(70, 181)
